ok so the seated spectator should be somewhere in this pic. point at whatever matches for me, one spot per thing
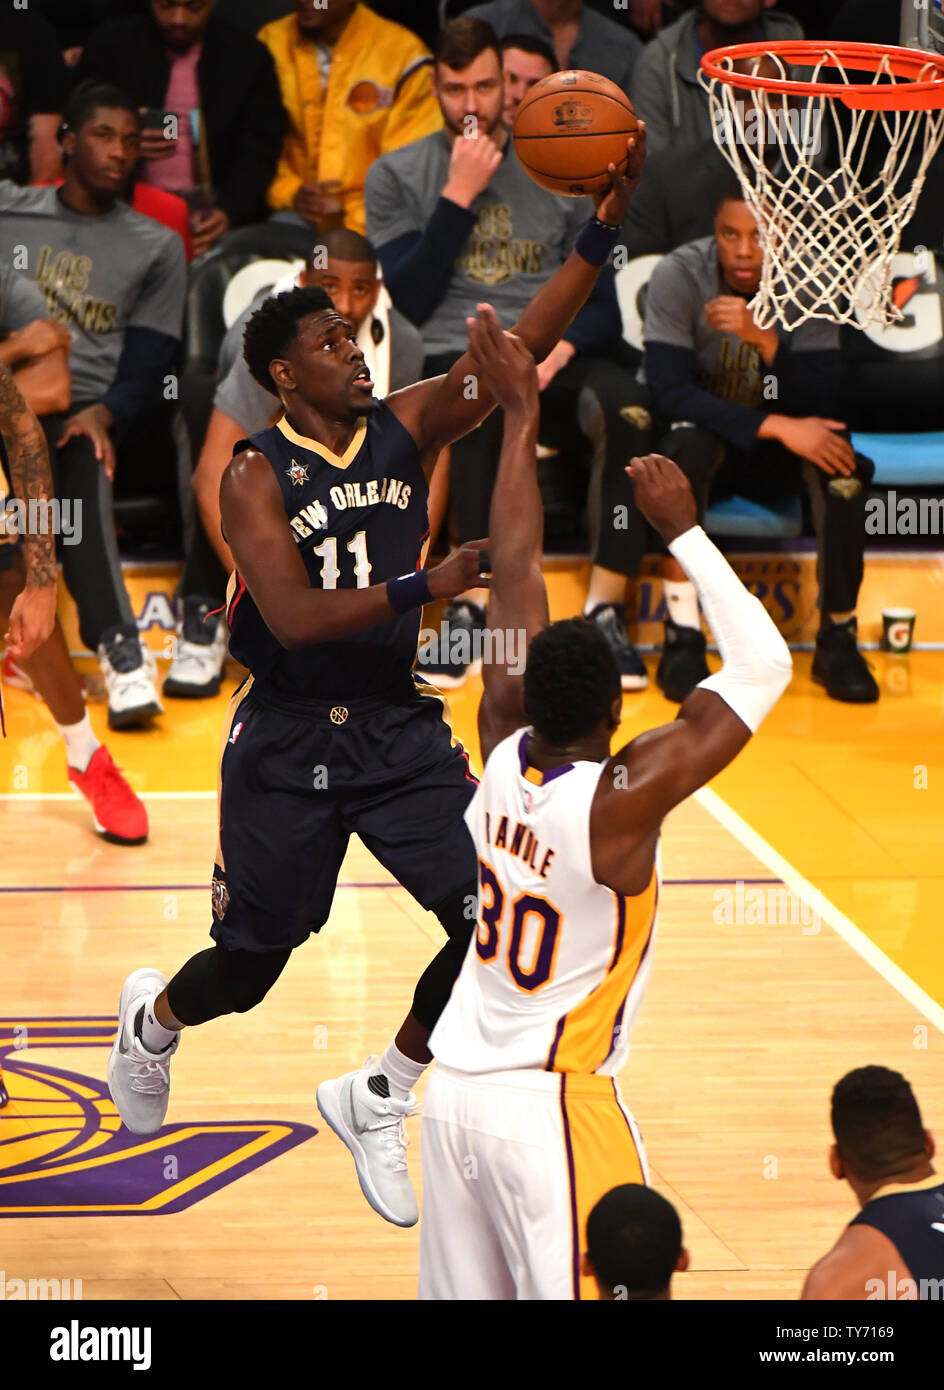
(354, 86)
(894, 1248)
(34, 84)
(666, 92)
(116, 280)
(457, 219)
(578, 37)
(679, 188)
(34, 376)
(711, 371)
(524, 61)
(345, 264)
(634, 1245)
(220, 150)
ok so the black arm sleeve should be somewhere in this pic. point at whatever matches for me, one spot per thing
(676, 395)
(417, 266)
(146, 358)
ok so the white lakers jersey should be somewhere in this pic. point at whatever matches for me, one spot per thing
(558, 965)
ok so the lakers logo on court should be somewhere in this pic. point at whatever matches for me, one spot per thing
(63, 1151)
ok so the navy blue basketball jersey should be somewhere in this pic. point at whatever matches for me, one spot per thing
(911, 1215)
(357, 519)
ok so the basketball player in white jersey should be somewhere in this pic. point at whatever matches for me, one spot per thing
(524, 1128)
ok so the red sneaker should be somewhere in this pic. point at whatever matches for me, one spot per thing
(119, 815)
(15, 678)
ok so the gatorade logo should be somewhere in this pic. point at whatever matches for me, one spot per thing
(918, 292)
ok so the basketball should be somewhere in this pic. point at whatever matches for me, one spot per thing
(569, 127)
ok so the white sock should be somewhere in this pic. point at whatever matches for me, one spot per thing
(402, 1072)
(682, 602)
(80, 742)
(154, 1035)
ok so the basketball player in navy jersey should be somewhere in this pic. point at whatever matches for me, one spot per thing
(894, 1248)
(326, 515)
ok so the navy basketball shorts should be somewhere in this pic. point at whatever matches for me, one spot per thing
(297, 779)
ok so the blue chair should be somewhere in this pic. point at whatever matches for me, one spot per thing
(738, 517)
(904, 460)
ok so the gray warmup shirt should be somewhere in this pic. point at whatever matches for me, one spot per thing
(98, 275)
(521, 235)
(20, 302)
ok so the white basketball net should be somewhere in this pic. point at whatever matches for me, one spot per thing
(829, 217)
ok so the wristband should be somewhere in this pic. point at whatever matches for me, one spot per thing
(409, 591)
(596, 241)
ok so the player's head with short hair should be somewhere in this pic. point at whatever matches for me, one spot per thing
(877, 1125)
(467, 77)
(100, 138)
(571, 683)
(739, 251)
(299, 347)
(634, 1245)
(525, 60)
(344, 264)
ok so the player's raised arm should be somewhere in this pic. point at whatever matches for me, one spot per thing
(254, 522)
(662, 767)
(518, 598)
(34, 610)
(439, 411)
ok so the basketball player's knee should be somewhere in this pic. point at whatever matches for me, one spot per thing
(457, 913)
(248, 976)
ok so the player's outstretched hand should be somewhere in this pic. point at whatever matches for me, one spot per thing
(466, 568)
(663, 495)
(614, 198)
(503, 364)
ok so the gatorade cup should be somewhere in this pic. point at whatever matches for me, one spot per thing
(897, 629)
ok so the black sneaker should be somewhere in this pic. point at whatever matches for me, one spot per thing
(840, 666)
(682, 663)
(609, 619)
(197, 668)
(456, 650)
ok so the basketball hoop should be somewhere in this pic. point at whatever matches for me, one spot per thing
(829, 219)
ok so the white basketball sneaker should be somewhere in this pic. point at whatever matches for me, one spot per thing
(372, 1127)
(130, 672)
(197, 668)
(139, 1080)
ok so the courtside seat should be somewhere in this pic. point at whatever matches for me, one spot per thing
(750, 520)
(904, 460)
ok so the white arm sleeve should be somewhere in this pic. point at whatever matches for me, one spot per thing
(757, 663)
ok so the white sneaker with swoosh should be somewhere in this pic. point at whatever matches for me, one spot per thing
(372, 1127)
(139, 1080)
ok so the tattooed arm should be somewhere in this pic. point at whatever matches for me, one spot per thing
(33, 614)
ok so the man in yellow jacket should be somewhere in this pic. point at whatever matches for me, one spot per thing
(354, 86)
